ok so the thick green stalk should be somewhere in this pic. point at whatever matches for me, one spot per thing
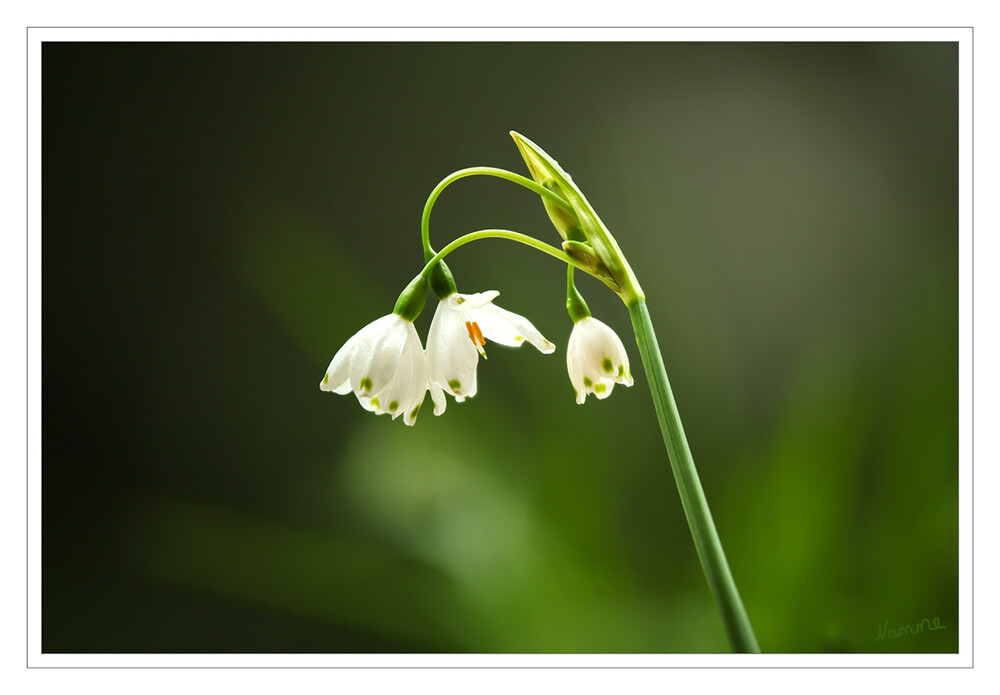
(699, 517)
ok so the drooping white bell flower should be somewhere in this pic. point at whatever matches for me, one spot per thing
(461, 326)
(385, 365)
(596, 359)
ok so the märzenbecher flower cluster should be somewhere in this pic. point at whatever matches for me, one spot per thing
(385, 363)
(387, 368)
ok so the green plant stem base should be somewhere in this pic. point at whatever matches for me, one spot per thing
(706, 538)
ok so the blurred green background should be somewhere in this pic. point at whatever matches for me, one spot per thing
(219, 218)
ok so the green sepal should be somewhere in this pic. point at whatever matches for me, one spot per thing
(411, 300)
(442, 281)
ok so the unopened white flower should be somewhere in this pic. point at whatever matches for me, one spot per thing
(461, 326)
(385, 365)
(596, 359)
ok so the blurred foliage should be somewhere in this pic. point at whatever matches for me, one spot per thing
(220, 218)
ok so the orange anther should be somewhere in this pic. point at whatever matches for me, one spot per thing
(476, 336)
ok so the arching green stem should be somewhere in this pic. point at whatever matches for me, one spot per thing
(425, 220)
(502, 234)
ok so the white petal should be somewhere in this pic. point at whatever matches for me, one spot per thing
(410, 417)
(405, 391)
(451, 355)
(471, 301)
(507, 328)
(338, 373)
(392, 398)
(418, 388)
(387, 366)
(336, 377)
(437, 395)
(464, 383)
(624, 375)
(603, 388)
(413, 404)
(375, 361)
(415, 363)
(575, 367)
(594, 344)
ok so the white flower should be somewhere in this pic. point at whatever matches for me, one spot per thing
(385, 365)
(596, 359)
(462, 323)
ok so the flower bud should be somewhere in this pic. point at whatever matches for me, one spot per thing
(584, 253)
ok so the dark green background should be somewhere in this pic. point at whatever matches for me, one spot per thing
(219, 218)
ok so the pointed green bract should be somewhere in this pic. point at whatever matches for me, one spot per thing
(562, 220)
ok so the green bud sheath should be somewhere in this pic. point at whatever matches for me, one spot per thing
(563, 220)
(546, 171)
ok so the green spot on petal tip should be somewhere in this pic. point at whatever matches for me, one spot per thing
(393, 406)
(587, 382)
(607, 364)
(455, 384)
